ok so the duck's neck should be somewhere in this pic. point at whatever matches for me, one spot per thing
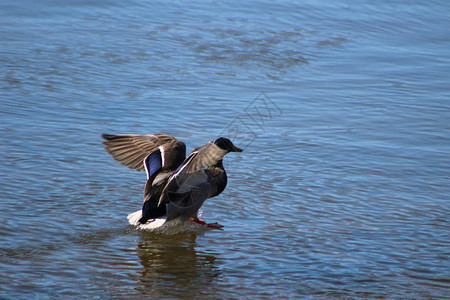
(218, 165)
(217, 177)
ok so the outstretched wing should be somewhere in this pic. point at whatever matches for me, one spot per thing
(190, 175)
(201, 158)
(131, 150)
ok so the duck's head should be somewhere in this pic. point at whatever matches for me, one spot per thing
(226, 144)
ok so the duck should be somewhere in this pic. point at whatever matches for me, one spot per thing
(176, 186)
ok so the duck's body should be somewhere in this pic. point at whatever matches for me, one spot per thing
(176, 187)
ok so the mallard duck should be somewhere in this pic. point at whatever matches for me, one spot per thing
(176, 186)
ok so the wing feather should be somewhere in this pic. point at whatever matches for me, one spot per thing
(131, 149)
(205, 156)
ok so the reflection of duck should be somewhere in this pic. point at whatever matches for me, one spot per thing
(176, 187)
(173, 268)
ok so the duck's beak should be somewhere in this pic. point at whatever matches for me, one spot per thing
(236, 149)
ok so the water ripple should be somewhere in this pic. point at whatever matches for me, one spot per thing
(342, 193)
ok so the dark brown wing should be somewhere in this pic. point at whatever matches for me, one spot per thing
(191, 173)
(131, 149)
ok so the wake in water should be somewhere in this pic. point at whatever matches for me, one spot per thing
(161, 223)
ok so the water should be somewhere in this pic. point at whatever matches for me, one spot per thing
(343, 110)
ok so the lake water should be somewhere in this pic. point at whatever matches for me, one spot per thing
(342, 191)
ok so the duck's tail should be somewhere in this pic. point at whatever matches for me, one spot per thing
(135, 217)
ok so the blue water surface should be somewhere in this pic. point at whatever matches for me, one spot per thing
(342, 108)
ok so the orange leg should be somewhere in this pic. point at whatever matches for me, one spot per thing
(210, 225)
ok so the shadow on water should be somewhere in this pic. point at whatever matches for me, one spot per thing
(173, 266)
